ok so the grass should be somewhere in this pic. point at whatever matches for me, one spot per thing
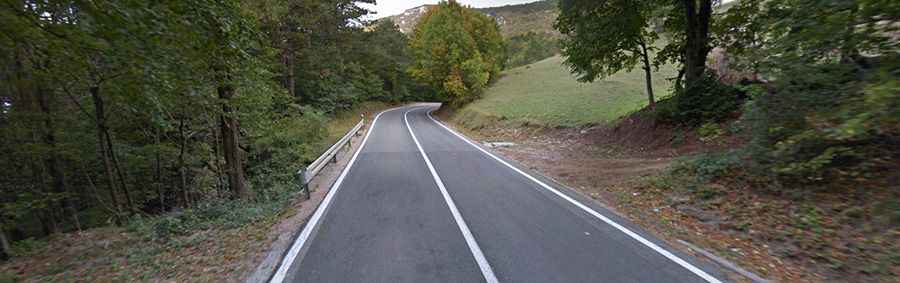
(545, 93)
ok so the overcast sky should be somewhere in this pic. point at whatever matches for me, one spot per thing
(386, 8)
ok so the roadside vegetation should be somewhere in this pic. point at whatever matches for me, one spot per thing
(213, 241)
(783, 123)
(158, 141)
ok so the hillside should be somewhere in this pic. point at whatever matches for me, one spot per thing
(514, 20)
(545, 93)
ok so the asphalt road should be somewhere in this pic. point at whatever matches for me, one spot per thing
(420, 203)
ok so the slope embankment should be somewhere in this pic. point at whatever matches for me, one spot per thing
(684, 184)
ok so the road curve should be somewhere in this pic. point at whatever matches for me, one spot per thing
(421, 203)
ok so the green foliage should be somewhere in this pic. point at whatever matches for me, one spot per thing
(708, 166)
(287, 143)
(604, 37)
(222, 214)
(705, 101)
(834, 111)
(710, 132)
(27, 246)
(154, 74)
(530, 47)
(830, 113)
(457, 52)
(335, 74)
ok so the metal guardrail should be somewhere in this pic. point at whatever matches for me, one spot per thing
(305, 175)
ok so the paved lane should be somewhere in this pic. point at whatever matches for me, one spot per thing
(528, 233)
(389, 221)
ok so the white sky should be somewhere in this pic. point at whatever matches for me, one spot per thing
(384, 8)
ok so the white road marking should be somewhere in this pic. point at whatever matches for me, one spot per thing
(288, 259)
(633, 235)
(467, 234)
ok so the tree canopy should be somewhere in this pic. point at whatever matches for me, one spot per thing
(457, 52)
(605, 37)
(116, 109)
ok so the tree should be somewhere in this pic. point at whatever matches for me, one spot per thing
(605, 37)
(530, 47)
(385, 50)
(457, 52)
(697, 16)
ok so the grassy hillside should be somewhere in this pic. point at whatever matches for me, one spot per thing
(545, 93)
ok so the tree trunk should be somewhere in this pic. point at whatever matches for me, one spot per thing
(217, 159)
(157, 173)
(645, 58)
(100, 120)
(230, 140)
(287, 57)
(697, 39)
(35, 103)
(51, 160)
(119, 173)
(183, 195)
(6, 251)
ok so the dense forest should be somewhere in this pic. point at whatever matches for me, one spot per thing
(113, 110)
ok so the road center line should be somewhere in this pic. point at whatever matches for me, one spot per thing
(699, 272)
(467, 234)
(313, 222)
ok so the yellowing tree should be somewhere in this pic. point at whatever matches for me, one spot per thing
(457, 51)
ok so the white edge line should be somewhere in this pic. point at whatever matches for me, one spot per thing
(633, 235)
(288, 259)
(483, 264)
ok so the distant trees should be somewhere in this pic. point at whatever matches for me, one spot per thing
(530, 47)
(602, 38)
(457, 52)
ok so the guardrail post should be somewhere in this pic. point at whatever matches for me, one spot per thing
(302, 181)
(362, 119)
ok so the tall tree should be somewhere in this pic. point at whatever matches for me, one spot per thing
(457, 51)
(606, 37)
(697, 15)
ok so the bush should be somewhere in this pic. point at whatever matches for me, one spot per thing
(705, 101)
(710, 132)
(27, 246)
(709, 166)
(214, 214)
(826, 126)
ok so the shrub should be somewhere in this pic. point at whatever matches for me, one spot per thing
(27, 246)
(825, 127)
(708, 166)
(704, 101)
(710, 132)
